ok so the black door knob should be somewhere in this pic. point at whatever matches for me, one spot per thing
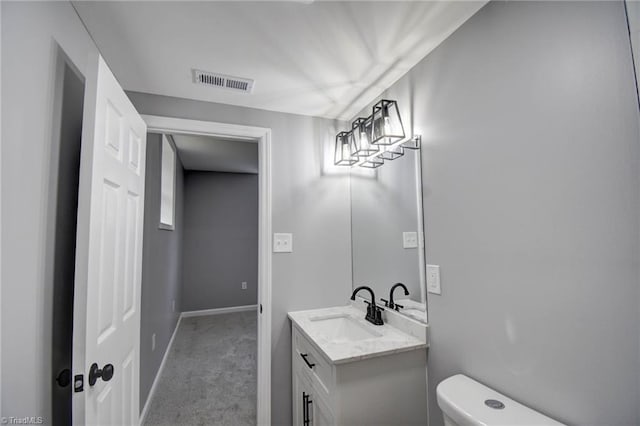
(95, 373)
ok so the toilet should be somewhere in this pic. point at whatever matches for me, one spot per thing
(465, 402)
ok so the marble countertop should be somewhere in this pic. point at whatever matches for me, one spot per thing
(389, 339)
(413, 309)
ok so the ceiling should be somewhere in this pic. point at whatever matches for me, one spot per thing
(212, 154)
(323, 58)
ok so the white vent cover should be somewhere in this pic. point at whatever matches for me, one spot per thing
(223, 81)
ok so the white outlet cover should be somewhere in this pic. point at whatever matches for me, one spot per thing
(433, 279)
(244, 285)
(410, 240)
(282, 243)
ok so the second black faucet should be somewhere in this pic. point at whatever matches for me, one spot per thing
(390, 303)
(374, 312)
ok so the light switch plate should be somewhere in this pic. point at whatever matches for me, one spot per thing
(282, 243)
(410, 240)
(244, 285)
(433, 279)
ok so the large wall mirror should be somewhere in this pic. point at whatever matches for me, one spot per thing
(387, 232)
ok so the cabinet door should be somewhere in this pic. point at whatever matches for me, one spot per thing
(301, 400)
(308, 408)
(320, 413)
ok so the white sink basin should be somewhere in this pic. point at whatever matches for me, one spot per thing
(342, 334)
(338, 328)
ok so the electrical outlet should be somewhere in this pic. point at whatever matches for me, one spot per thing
(153, 342)
(410, 240)
(282, 243)
(244, 285)
(433, 279)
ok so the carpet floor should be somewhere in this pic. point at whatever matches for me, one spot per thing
(210, 375)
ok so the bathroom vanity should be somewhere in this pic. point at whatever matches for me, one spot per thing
(347, 371)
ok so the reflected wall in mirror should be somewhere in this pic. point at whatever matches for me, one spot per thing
(386, 212)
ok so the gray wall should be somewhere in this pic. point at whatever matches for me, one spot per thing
(530, 133)
(162, 257)
(220, 240)
(310, 199)
(30, 35)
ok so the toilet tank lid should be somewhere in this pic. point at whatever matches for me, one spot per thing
(463, 400)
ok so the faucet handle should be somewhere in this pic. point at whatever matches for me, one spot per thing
(398, 306)
(386, 302)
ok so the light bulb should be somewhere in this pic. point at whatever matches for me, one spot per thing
(345, 150)
(364, 140)
(387, 125)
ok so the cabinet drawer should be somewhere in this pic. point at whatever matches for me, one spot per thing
(309, 360)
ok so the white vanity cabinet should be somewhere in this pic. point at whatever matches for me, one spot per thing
(387, 389)
(308, 407)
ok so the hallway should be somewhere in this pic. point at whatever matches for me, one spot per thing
(210, 374)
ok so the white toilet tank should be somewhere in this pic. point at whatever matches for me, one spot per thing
(465, 402)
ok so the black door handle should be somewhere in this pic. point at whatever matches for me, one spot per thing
(95, 373)
(306, 402)
(306, 361)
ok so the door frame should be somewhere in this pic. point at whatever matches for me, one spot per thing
(162, 124)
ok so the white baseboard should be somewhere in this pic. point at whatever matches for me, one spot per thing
(152, 391)
(219, 311)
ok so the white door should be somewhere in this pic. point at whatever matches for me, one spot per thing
(106, 325)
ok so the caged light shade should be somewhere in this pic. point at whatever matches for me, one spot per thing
(372, 163)
(386, 126)
(391, 152)
(361, 134)
(344, 154)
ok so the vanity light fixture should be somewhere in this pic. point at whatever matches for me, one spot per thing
(345, 150)
(391, 152)
(386, 128)
(413, 143)
(372, 163)
(374, 139)
(361, 134)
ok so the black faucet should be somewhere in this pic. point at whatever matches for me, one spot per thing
(390, 303)
(374, 312)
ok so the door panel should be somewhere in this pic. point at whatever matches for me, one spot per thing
(108, 263)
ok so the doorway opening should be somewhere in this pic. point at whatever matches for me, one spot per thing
(221, 206)
(62, 227)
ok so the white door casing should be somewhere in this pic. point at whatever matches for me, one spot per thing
(109, 252)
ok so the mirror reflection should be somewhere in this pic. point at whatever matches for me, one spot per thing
(386, 230)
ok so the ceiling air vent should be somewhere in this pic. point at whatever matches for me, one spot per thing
(237, 84)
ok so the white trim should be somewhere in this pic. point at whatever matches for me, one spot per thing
(217, 311)
(263, 136)
(152, 391)
(264, 280)
(204, 128)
